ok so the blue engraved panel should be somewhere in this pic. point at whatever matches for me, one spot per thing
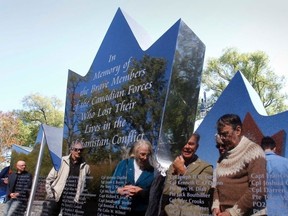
(130, 94)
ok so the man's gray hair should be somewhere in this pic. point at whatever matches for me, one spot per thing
(76, 142)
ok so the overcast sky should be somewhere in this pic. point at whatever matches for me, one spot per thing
(41, 40)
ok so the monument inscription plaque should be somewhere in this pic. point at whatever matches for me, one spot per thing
(131, 94)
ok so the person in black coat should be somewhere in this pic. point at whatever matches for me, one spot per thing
(18, 190)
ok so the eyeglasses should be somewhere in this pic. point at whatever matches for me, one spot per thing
(78, 149)
(218, 146)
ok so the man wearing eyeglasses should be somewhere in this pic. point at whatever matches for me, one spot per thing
(221, 148)
(65, 186)
(241, 175)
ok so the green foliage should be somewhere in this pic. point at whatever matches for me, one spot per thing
(96, 172)
(31, 160)
(37, 110)
(42, 110)
(255, 67)
(24, 134)
(10, 127)
(101, 155)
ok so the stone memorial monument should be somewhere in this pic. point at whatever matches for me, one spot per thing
(131, 94)
(137, 100)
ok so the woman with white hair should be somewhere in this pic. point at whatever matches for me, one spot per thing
(137, 174)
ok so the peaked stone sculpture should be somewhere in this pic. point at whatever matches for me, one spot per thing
(240, 98)
(130, 94)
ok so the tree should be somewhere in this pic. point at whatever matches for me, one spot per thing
(255, 67)
(39, 110)
(10, 127)
(12, 131)
(42, 110)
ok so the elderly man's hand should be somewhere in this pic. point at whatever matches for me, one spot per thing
(216, 211)
(14, 195)
(178, 165)
(224, 214)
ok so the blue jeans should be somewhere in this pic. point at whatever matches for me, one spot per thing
(15, 207)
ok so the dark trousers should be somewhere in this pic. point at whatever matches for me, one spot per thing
(51, 208)
(68, 207)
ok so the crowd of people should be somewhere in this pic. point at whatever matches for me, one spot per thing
(243, 182)
(249, 179)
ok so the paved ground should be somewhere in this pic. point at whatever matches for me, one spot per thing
(1, 208)
(36, 209)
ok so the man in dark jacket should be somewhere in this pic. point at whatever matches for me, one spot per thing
(18, 190)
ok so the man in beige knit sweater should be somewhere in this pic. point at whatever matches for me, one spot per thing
(241, 175)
